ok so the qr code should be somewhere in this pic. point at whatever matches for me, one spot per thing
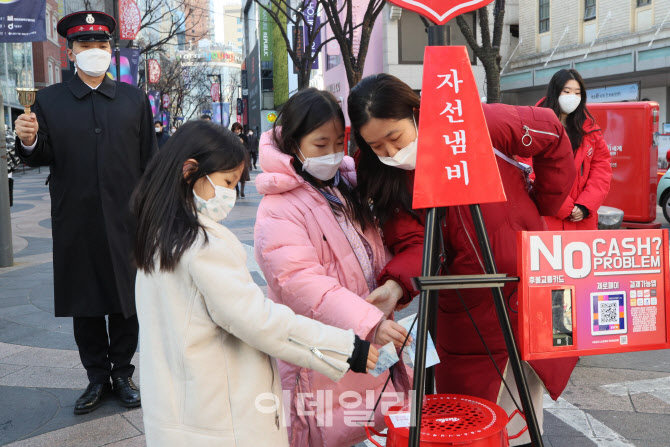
(608, 312)
(623, 339)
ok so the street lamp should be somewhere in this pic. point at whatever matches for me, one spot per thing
(218, 77)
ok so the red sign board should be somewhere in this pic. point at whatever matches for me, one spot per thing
(215, 91)
(154, 71)
(441, 11)
(166, 100)
(130, 19)
(455, 163)
(592, 292)
(629, 128)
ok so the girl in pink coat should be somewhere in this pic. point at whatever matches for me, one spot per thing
(321, 254)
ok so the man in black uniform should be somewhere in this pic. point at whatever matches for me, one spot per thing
(97, 136)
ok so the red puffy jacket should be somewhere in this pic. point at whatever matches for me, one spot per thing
(594, 174)
(465, 367)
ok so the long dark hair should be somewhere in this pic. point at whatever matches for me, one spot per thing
(381, 96)
(575, 121)
(304, 112)
(167, 222)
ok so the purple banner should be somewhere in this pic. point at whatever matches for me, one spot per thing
(313, 22)
(130, 58)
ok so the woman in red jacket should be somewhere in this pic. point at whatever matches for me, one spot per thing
(566, 96)
(383, 112)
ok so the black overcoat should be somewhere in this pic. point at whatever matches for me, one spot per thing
(97, 143)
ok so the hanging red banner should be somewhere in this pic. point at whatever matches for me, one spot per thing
(154, 71)
(440, 11)
(455, 163)
(130, 19)
(215, 91)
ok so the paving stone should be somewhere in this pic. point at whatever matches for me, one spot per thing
(89, 434)
(8, 369)
(8, 349)
(48, 339)
(58, 358)
(46, 377)
(595, 398)
(636, 427)
(40, 319)
(46, 223)
(21, 309)
(258, 279)
(23, 411)
(135, 417)
(65, 416)
(646, 361)
(137, 441)
(588, 376)
(646, 403)
(11, 332)
(36, 245)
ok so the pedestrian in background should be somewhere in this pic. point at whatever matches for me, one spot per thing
(205, 117)
(161, 136)
(207, 331)
(97, 136)
(238, 130)
(384, 113)
(566, 96)
(253, 147)
(321, 253)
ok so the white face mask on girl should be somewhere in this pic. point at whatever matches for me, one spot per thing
(218, 207)
(325, 167)
(569, 103)
(405, 158)
(94, 62)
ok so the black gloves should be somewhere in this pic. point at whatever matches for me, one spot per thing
(359, 358)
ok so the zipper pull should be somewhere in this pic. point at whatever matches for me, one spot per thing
(317, 353)
(277, 420)
(523, 139)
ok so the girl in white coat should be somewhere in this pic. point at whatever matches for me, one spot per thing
(206, 330)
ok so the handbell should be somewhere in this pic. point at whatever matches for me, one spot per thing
(26, 98)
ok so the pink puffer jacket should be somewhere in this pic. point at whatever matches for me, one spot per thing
(310, 267)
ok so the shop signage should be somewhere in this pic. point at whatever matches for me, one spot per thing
(440, 11)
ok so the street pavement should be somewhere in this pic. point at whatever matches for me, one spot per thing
(620, 400)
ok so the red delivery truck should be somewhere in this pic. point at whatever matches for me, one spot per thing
(629, 128)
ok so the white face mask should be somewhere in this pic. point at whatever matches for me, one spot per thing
(569, 103)
(405, 158)
(93, 62)
(325, 167)
(158, 130)
(218, 207)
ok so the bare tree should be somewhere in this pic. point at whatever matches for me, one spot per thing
(353, 38)
(164, 20)
(303, 52)
(187, 85)
(489, 51)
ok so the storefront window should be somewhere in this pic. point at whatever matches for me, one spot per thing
(16, 70)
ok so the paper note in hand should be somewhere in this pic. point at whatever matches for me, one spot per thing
(387, 358)
(409, 352)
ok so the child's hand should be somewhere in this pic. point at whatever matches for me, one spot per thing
(390, 331)
(373, 356)
(386, 297)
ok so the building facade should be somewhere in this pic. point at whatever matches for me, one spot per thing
(398, 42)
(620, 47)
(47, 55)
